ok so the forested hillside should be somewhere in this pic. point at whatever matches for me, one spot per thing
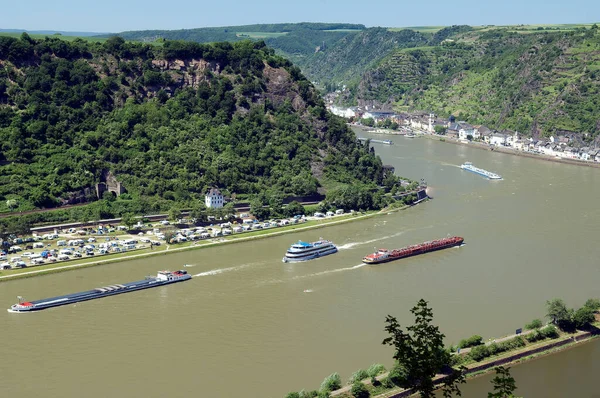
(539, 83)
(168, 122)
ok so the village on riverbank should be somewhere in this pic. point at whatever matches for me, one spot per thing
(568, 147)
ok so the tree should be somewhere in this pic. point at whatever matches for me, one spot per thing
(593, 304)
(331, 383)
(559, 314)
(198, 211)
(439, 129)
(257, 208)
(504, 384)
(12, 204)
(128, 219)
(174, 214)
(420, 351)
(583, 317)
(294, 208)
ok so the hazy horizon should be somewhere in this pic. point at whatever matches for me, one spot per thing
(113, 16)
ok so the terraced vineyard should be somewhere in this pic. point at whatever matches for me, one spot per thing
(539, 83)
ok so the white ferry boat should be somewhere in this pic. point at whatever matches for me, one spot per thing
(488, 174)
(303, 251)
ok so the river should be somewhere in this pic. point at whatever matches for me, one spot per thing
(249, 325)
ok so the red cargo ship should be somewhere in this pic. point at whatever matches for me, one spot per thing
(384, 255)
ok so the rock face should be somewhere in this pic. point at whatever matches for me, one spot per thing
(186, 73)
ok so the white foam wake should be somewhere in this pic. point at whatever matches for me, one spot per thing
(330, 271)
(366, 242)
(222, 270)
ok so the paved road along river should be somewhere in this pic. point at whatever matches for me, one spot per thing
(249, 325)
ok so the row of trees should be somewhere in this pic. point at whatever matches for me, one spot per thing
(569, 319)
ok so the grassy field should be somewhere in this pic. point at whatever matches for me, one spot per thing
(342, 30)
(516, 28)
(260, 35)
(67, 38)
(422, 29)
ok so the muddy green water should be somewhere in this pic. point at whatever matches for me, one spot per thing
(249, 325)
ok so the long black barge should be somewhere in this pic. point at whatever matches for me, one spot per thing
(162, 278)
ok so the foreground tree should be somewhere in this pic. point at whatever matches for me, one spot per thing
(560, 315)
(504, 384)
(421, 354)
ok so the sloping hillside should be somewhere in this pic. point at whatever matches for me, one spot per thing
(536, 83)
(168, 122)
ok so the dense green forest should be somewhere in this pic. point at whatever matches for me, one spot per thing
(169, 122)
(539, 83)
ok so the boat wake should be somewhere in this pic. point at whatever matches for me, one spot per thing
(366, 242)
(300, 277)
(331, 271)
(222, 270)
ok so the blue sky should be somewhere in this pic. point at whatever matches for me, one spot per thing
(121, 15)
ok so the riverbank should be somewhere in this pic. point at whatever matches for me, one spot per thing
(511, 358)
(168, 249)
(510, 151)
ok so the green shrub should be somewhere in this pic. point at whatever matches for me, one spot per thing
(549, 332)
(514, 343)
(593, 304)
(359, 390)
(308, 394)
(387, 383)
(399, 376)
(359, 375)
(472, 341)
(478, 353)
(493, 349)
(293, 395)
(534, 336)
(375, 370)
(331, 382)
(535, 324)
(375, 382)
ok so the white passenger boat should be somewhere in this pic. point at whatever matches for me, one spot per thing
(303, 251)
(488, 174)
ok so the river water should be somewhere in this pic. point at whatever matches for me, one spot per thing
(249, 325)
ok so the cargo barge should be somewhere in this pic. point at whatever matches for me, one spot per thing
(162, 278)
(487, 174)
(384, 255)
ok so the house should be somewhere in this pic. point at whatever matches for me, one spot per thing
(571, 153)
(498, 139)
(586, 154)
(482, 133)
(521, 145)
(214, 198)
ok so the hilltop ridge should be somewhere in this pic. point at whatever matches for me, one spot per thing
(168, 122)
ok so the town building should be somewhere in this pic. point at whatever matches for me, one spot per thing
(214, 198)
